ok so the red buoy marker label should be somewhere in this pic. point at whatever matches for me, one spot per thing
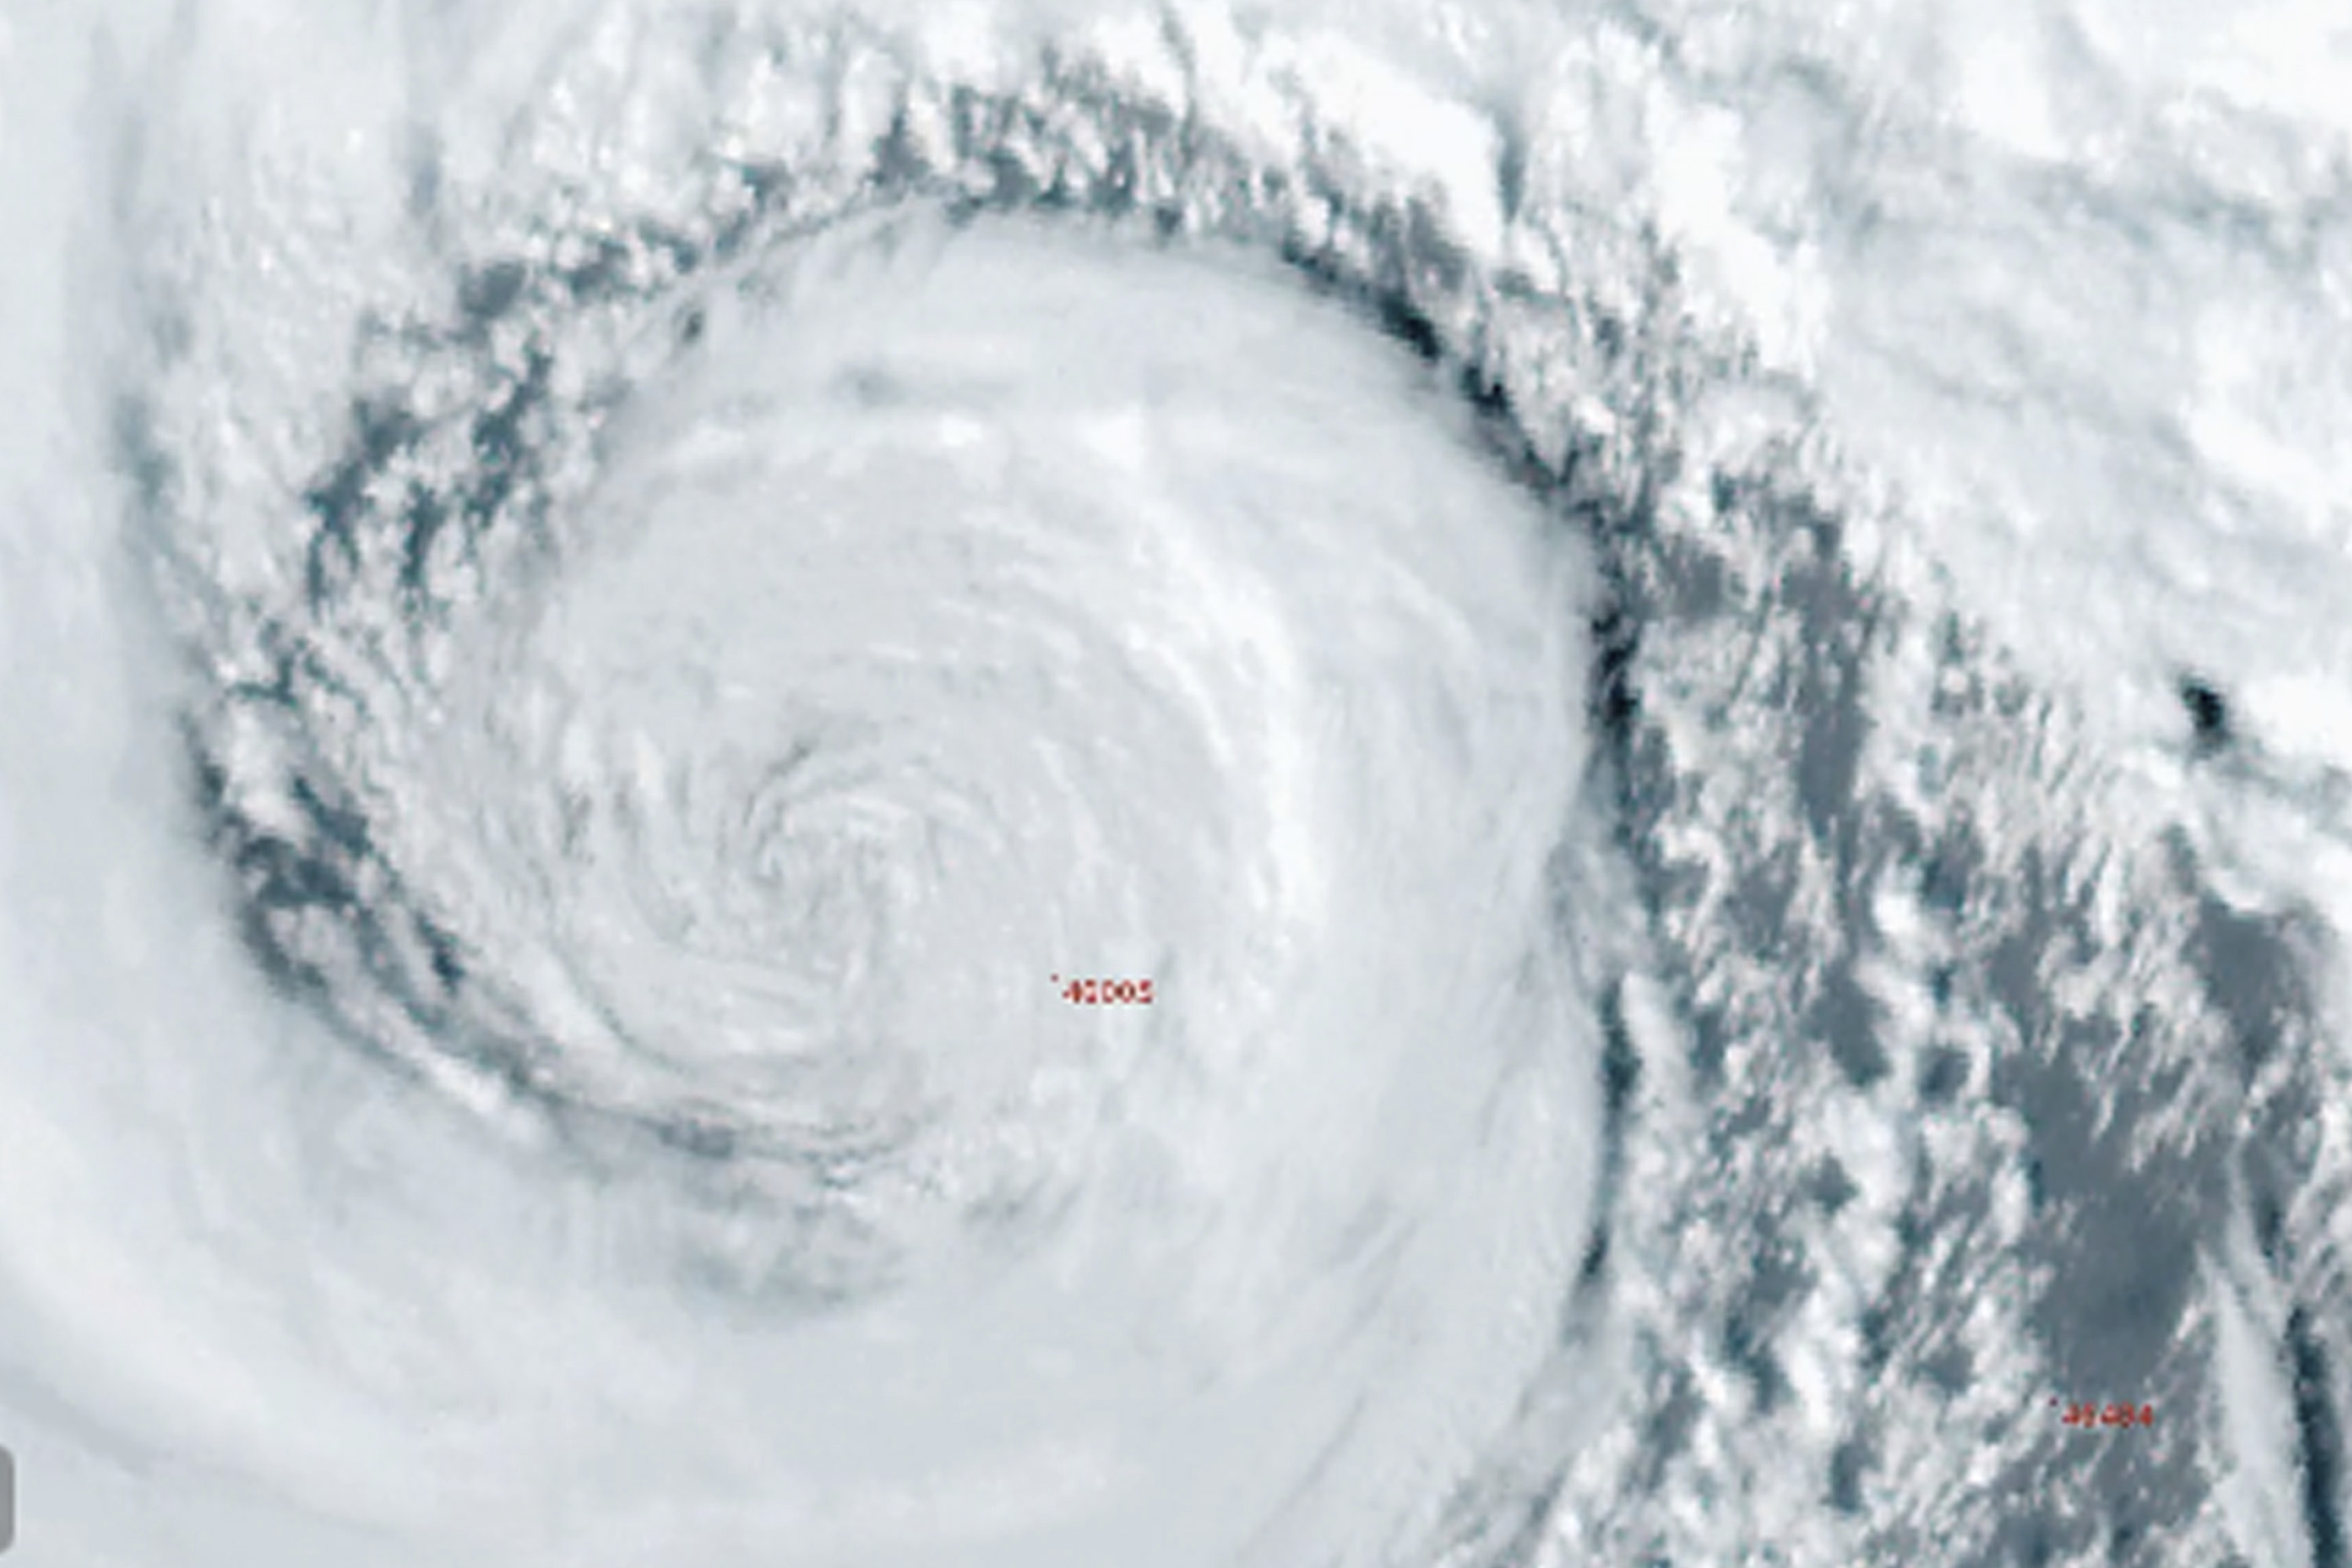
(1104, 993)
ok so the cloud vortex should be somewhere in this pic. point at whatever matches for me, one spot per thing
(725, 682)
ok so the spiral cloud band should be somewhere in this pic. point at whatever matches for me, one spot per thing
(1331, 787)
(681, 712)
(988, 603)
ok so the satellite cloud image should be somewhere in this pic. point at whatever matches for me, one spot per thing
(1058, 783)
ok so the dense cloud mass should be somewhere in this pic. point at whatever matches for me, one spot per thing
(993, 785)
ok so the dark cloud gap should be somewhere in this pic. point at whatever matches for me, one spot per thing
(2120, 1230)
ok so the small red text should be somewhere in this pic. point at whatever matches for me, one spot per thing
(1101, 993)
(2083, 1413)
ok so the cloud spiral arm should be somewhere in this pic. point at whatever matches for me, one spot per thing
(722, 665)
